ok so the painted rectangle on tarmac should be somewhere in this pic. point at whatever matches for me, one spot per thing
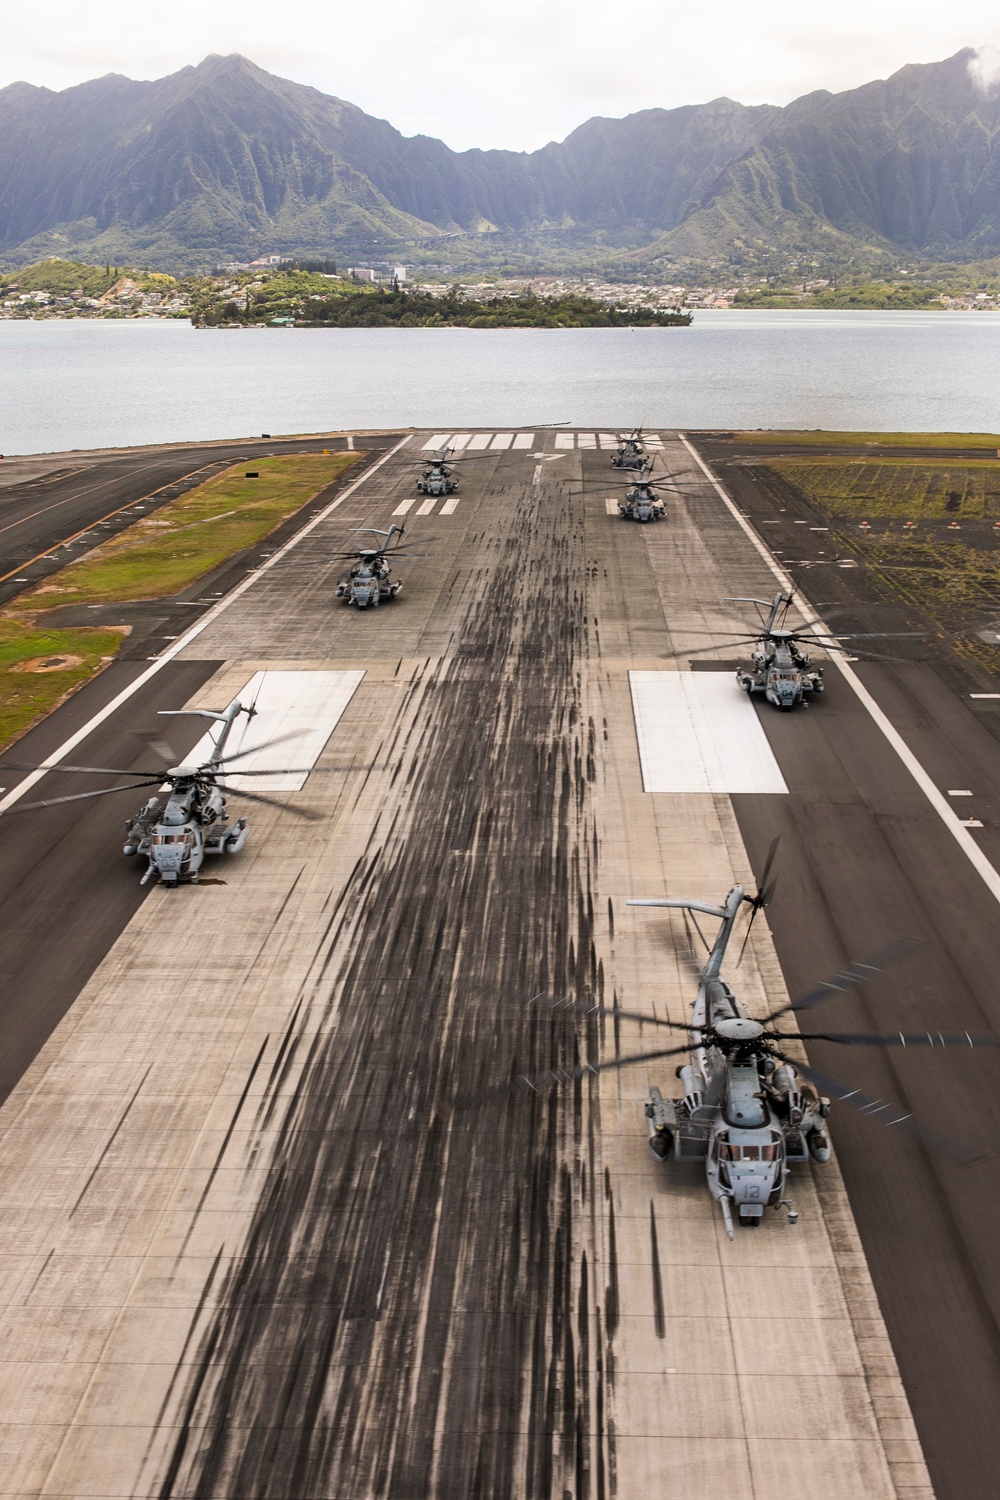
(699, 732)
(298, 711)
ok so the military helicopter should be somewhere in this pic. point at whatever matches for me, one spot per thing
(437, 477)
(630, 453)
(744, 1110)
(175, 833)
(779, 668)
(369, 583)
(642, 503)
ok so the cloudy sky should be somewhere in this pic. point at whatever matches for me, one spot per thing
(514, 77)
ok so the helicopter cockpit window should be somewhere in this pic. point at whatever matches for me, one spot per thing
(732, 1152)
(171, 838)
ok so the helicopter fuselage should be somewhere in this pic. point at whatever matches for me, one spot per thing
(783, 673)
(629, 456)
(437, 482)
(640, 504)
(367, 585)
(176, 835)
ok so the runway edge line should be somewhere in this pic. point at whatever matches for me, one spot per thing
(984, 869)
(190, 635)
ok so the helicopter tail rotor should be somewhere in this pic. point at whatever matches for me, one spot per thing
(765, 894)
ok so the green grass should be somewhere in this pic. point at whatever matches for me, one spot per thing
(191, 536)
(818, 438)
(952, 576)
(898, 488)
(160, 555)
(26, 697)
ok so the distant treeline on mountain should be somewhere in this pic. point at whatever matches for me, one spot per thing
(224, 161)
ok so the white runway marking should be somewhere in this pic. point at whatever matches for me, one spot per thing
(524, 440)
(607, 440)
(565, 440)
(611, 505)
(481, 440)
(698, 732)
(438, 441)
(449, 507)
(586, 440)
(427, 506)
(405, 506)
(502, 440)
(460, 440)
(307, 706)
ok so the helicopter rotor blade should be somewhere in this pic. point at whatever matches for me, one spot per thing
(79, 770)
(22, 807)
(584, 1008)
(846, 978)
(890, 1115)
(565, 1075)
(903, 1038)
(765, 893)
(298, 812)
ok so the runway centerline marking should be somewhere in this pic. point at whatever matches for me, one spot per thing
(185, 640)
(955, 826)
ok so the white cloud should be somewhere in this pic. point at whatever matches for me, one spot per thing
(985, 68)
(516, 77)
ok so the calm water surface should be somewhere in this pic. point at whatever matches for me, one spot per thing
(93, 384)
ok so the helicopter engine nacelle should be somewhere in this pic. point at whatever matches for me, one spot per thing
(694, 1088)
(784, 1082)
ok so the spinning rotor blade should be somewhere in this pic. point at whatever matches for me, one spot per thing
(564, 1075)
(298, 812)
(903, 1038)
(582, 1008)
(889, 1114)
(20, 807)
(765, 892)
(281, 771)
(847, 978)
(80, 770)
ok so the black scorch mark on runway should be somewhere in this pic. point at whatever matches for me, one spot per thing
(411, 1314)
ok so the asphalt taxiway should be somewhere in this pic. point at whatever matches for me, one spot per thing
(274, 1222)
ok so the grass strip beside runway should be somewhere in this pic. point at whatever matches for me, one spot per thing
(192, 535)
(38, 668)
(817, 438)
(927, 530)
(160, 555)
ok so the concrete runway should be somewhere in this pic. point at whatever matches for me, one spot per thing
(274, 1223)
(55, 507)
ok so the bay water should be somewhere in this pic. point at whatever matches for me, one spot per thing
(92, 384)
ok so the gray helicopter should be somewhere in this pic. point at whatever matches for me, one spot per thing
(630, 453)
(779, 668)
(437, 478)
(175, 833)
(745, 1110)
(369, 583)
(641, 501)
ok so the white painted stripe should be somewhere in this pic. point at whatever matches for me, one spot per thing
(586, 440)
(405, 506)
(300, 710)
(208, 618)
(611, 505)
(984, 869)
(439, 440)
(502, 440)
(461, 439)
(524, 440)
(565, 440)
(607, 440)
(449, 507)
(653, 440)
(481, 440)
(698, 732)
(426, 506)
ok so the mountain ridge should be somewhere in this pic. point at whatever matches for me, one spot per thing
(224, 160)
